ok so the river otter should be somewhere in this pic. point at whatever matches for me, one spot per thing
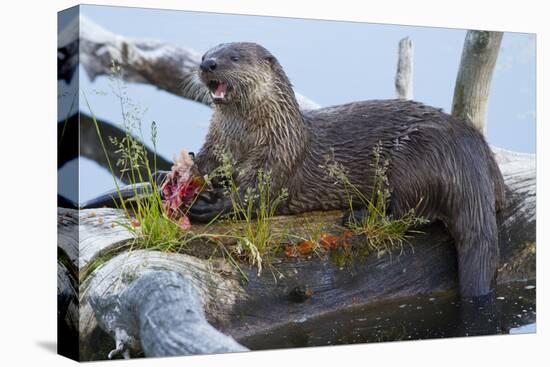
(435, 159)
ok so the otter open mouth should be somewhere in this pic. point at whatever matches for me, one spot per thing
(219, 91)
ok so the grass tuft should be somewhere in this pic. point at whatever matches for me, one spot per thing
(149, 222)
(382, 231)
(252, 212)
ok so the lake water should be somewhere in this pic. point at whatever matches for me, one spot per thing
(416, 318)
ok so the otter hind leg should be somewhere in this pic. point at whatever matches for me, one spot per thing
(468, 210)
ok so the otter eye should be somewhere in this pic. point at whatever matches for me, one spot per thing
(234, 58)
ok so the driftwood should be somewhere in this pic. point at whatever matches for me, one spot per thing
(473, 82)
(276, 296)
(67, 283)
(78, 135)
(404, 74)
(168, 67)
(162, 314)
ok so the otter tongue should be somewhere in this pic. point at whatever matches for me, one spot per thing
(221, 90)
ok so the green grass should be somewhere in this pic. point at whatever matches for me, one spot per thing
(250, 221)
(148, 220)
(382, 231)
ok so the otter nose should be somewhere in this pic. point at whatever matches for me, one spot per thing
(209, 65)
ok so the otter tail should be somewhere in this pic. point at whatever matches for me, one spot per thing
(476, 240)
(474, 226)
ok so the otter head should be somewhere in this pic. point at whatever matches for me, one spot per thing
(241, 72)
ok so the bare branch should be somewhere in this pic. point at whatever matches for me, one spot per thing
(81, 128)
(473, 82)
(404, 75)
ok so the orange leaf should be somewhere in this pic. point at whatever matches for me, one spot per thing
(329, 241)
(305, 247)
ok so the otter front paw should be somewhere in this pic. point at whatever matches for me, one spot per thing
(208, 206)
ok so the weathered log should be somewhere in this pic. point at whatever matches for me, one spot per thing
(404, 74)
(67, 283)
(67, 308)
(473, 82)
(165, 66)
(162, 314)
(78, 135)
(242, 309)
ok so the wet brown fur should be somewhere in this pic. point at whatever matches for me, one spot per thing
(435, 159)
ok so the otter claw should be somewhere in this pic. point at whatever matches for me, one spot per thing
(207, 196)
(208, 206)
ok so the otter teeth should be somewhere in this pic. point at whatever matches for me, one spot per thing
(220, 92)
(218, 96)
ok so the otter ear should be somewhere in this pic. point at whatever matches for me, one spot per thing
(273, 63)
(271, 59)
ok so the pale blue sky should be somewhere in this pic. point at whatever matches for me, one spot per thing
(329, 62)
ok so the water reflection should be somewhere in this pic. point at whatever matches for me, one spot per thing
(511, 310)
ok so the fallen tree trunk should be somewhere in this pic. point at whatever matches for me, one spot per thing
(161, 314)
(168, 67)
(293, 289)
(78, 136)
